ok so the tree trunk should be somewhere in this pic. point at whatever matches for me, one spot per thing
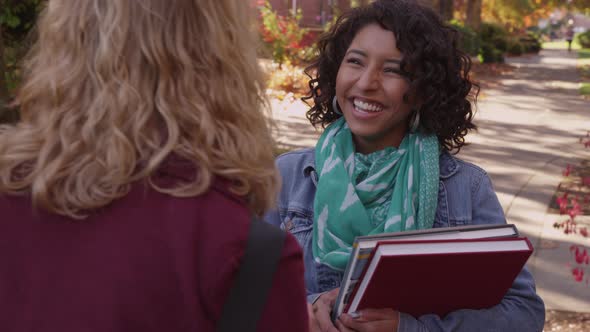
(358, 3)
(3, 86)
(6, 114)
(446, 9)
(429, 3)
(473, 19)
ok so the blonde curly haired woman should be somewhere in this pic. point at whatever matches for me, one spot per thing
(127, 189)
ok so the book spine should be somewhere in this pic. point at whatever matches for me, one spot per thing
(514, 229)
(352, 296)
(338, 305)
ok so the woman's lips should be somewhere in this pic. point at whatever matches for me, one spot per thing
(365, 110)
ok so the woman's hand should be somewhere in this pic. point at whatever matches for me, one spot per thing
(319, 313)
(313, 321)
(370, 320)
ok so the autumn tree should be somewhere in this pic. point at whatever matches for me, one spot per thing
(518, 14)
(357, 3)
(446, 8)
(17, 17)
(473, 14)
(543, 8)
(3, 85)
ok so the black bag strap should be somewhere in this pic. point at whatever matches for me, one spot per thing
(247, 297)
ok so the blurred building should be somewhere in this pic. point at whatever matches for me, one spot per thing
(316, 13)
(581, 22)
(559, 19)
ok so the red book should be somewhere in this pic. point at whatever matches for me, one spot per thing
(440, 276)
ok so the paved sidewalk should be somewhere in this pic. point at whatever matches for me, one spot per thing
(529, 131)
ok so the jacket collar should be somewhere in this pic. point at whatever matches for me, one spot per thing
(448, 165)
(308, 161)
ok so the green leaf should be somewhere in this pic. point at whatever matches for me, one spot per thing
(12, 21)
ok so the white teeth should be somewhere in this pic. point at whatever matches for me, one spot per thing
(363, 106)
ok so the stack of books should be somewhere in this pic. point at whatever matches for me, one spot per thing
(433, 271)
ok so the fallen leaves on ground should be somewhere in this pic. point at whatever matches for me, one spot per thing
(489, 75)
(566, 321)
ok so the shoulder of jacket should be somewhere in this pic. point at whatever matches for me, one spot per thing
(299, 161)
(451, 166)
(301, 155)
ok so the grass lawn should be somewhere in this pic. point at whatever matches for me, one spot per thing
(584, 67)
(560, 45)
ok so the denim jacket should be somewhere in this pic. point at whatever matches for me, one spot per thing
(466, 197)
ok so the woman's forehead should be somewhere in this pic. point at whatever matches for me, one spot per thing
(373, 39)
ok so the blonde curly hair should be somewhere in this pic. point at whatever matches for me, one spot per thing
(113, 88)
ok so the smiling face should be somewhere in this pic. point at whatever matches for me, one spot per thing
(370, 90)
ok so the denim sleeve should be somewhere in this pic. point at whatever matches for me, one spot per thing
(521, 308)
(273, 217)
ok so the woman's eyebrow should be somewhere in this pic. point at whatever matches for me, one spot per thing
(359, 52)
(395, 61)
(364, 54)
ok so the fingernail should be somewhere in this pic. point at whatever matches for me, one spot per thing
(354, 315)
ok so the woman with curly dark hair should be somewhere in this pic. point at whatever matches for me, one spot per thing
(393, 92)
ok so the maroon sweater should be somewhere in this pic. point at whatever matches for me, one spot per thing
(148, 262)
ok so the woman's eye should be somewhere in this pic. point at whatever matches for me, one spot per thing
(354, 61)
(394, 72)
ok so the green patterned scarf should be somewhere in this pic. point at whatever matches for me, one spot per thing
(397, 191)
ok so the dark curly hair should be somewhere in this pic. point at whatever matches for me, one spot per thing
(437, 71)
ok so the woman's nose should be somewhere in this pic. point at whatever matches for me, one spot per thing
(370, 79)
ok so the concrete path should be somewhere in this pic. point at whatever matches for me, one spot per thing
(530, 127)
(529, 131)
